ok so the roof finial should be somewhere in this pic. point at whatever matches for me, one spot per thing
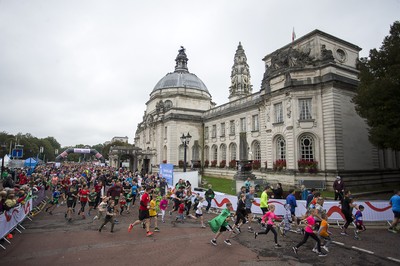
(181, 61)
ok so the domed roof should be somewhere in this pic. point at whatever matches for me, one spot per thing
(181, 80)
(181, 77)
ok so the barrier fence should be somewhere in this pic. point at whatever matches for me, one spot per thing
(374, 210)
(11, 220)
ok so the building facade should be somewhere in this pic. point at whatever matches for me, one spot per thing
(301, 123)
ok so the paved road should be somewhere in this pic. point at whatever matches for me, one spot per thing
(50, 240)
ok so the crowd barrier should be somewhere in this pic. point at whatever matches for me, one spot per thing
(374, 210)
(11, 220)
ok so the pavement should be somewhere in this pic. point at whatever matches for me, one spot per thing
(51, 240)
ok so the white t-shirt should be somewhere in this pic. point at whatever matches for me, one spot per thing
(200, 206)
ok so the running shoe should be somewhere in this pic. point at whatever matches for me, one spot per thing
(149, 233)
(250, 229)
(238, 230)
(344, 234)
(325, 248)
(130, 228)
(277, 246)
(315, 250)
(294, 250)
(228, 242)
(203, 226)
(214, 242)
(156, 229)
(392, 230)
(320, 254)
(255, 235)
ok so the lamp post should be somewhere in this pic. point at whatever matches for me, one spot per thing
(185, 141)
(3, 153)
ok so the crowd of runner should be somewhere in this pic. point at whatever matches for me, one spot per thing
(103, 193)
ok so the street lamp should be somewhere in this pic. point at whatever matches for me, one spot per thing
(3, 153)
(185, 141)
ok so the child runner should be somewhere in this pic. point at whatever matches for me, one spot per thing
(285, 225)
(83, 198)
(153, 212)
(92, 200)
(220, 224)
(129, 198)
(122, 204)
(101, 209)
(270, 216)
(199, 211)
(109, 216)
(54, 201)
(240, 213)
(324, 234)
(180, 217)
(163, 207)
(360, 227)
(309, 232)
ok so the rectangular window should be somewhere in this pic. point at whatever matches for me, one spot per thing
(214, 131)
(243, 124)
(232, 127)
(206, 133)
(305, 109)
(254, 122)
(222, 129)
(278, 113)
(165, 132)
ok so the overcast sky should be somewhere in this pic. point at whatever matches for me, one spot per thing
(82, 71)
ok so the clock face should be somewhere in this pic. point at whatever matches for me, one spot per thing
(341, 55)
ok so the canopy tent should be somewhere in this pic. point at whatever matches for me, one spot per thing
(30, 162)
(6, 160)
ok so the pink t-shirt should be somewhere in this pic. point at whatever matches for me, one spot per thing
(310, 222)
(269, 216)
(163, 204)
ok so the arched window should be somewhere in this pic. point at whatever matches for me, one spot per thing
(223, 152)
(214, 152)
(207, 153)
(280, 148)
(256, 149)
(307, 148)
(232, 151)
(181, 151)
(196, 152)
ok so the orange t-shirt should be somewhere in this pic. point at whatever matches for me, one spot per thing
(324, 228)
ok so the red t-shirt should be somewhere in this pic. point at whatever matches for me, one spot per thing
(144, 201)
(97, 188)
(84, 193)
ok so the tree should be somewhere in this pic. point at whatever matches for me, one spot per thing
(378, 94)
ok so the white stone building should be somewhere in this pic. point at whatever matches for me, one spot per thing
(302, 117)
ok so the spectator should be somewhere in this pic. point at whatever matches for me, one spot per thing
(338, 187)
(209, 195)
(278, 191)
(247, 184)
(291, 200)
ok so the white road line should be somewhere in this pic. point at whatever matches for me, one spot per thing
(363, 250)
(338, 243)
(393, 259)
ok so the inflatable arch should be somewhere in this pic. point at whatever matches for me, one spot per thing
(65, 153)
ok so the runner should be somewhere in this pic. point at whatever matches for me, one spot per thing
(220, 224)
(347, 210)
(109, 216)
(143, 212)
(268, 219)
(395, 203)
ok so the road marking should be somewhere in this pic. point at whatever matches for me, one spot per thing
(393, 259)
(363, 250)
(338, 243)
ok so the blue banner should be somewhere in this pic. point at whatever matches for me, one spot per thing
(167, 172)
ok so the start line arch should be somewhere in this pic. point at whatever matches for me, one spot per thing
(65, 153)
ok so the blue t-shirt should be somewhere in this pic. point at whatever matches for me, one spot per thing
(291, 200)
(134, 190)
(249, 200)
(395, 201)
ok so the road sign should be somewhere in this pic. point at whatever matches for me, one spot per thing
(17, 153)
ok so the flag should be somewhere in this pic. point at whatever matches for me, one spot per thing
(293, 35)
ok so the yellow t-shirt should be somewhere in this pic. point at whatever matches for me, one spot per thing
(324, 228)
(152, 210)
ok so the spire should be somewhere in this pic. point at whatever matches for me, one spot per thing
(181, 61)
(240, 76)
